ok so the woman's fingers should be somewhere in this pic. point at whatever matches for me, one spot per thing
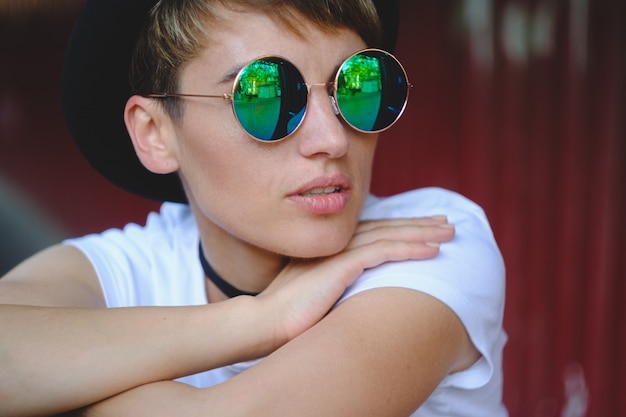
(305, 290)
(374, 243)
(352, 262)
(413, 221)
(427, 230)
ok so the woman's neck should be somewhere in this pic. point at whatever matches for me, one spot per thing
(242, 265)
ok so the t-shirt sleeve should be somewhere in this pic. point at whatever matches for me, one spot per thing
(147, 265)
(468, 275)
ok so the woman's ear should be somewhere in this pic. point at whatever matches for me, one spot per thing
(150, 130)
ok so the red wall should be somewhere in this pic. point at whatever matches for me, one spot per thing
(530, 122)
(519, 105)
(36, 152)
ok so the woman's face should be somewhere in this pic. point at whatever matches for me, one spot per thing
(299, 197)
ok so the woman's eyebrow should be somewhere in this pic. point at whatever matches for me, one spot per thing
(232, 74)
(236, 69)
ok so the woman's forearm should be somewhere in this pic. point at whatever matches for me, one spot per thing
(158, 399)
(56, 359)
(381, 352)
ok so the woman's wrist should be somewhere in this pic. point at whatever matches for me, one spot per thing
(238, 329)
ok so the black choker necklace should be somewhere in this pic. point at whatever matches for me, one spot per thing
(219, 282)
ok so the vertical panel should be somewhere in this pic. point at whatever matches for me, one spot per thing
(607, 178)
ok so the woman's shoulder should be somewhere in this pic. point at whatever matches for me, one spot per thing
(173, 221)
(471, 257)
(421, 202)
(172, 218)
(134, 261)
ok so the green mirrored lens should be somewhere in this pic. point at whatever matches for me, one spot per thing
(270, 98)
(371, 90)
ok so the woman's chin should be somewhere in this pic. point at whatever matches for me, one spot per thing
(322, 248)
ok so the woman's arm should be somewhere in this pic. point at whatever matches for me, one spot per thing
(60, 350)
(380, 353)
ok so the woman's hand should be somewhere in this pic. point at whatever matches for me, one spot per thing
(305, 291)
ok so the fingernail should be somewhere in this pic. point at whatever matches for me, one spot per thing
(433, 244)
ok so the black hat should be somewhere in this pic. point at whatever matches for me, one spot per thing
(95, 88)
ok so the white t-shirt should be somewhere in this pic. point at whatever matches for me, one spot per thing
(157, 265)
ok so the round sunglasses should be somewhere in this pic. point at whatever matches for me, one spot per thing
(269, 96)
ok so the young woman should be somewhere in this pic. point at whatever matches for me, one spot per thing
(257, 123)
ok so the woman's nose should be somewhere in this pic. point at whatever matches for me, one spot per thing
(322, 131)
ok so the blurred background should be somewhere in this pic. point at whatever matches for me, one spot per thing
(519, 105)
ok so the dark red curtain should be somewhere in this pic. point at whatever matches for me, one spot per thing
(520, 105)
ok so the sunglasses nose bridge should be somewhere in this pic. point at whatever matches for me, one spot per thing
(330, 89)
(327, 85)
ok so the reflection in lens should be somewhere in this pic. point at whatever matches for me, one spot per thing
(371, 90)
(268, 99)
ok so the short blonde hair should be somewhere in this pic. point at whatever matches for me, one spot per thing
(175, 33)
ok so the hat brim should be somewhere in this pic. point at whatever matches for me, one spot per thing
(95, 88)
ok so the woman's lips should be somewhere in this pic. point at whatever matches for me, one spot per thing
(323, 195)
(321, 191)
